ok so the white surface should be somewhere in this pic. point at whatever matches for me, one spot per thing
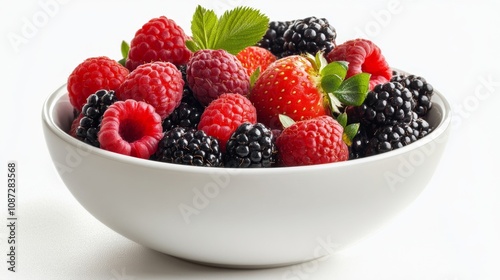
(450, 233)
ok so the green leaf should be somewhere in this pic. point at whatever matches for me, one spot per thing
(350, 132)
(333, 102)
(285, 120)
(204, 27)
(331, 83)
(353, 90)
(338, 68)
(192, 46)
(238, 29)
(342, 119)
(125, 49)
(255, 75)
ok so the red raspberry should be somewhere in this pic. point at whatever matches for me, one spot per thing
(363, 56)
(160, 39)
(223, 116)
(211, 73)
(91, 75)
(158, 83)
(253, 57)
(312, 141)
(130, 128)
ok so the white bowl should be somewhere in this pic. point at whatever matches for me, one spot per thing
(236, 217)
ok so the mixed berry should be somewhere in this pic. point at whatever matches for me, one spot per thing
(241, 91)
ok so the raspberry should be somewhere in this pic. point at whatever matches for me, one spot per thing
(251, 145)
(312, 141)
(223, 116)
(158, 83)
(91, 75)
(211, 73)
(254, 57)
(160, 39)
(188, 146)
(131, 128)
(363, 56)
(309, 35)
(92, 112)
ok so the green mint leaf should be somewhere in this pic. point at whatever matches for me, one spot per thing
(204, 27)
(353, 90)
(342, 119)
(285, 120)
(255, 75)
(238, 29)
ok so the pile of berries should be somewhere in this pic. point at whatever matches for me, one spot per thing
(276, 93)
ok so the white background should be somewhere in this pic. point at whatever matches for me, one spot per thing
(451, 232)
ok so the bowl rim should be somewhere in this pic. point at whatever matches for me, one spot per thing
(61, 93)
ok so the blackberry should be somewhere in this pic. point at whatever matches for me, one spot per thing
(421, 90)
(309, 35)
(186, 90)
(188, 146)
(187, 114)
(388, 103)
(387, 138)
(273, 39)
(92, 113)
(251, 145)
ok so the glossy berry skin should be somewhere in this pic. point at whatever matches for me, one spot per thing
(313, 141)
(211, 73)
(160, 39)
(187, 114)
(363, 57)
(92, 112)
(421, 90)
(130, 128)
(273, 40)
(388, 137)
(289, 86)
(223, 116)
(388, 103)
(250, 146)
(309, 35)
(91, 75)
(188, 146)
(255, 57)
(158, 83)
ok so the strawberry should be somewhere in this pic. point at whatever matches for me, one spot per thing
(304, 87)
(313, 141)
(254, 57)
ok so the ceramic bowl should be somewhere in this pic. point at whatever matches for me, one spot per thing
(242, 218)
